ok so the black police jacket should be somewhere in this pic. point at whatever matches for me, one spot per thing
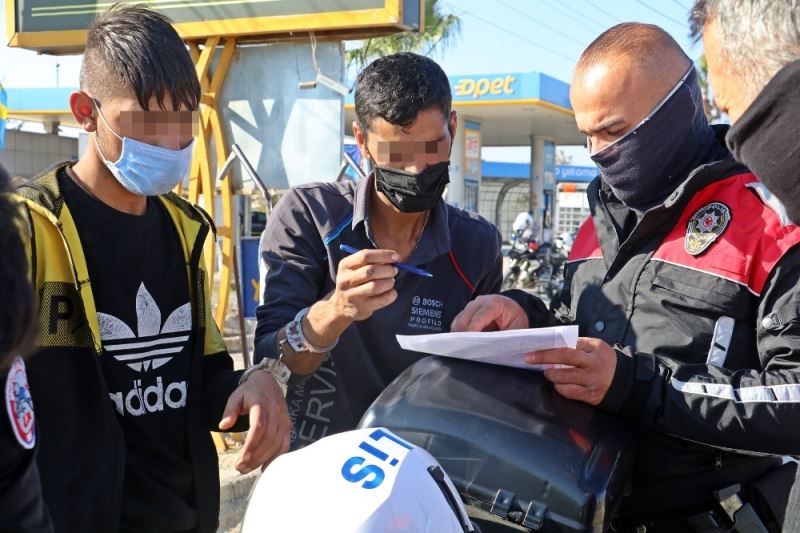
(22, 508)
(701, 300)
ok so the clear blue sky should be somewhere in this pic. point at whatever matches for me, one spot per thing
(496, 36)
(548, 35)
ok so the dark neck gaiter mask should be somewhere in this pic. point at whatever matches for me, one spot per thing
(646, 164)
(765, 138)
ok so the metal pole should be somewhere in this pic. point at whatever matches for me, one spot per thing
(354, 166)
(254, 175)
(240, 304)
(342, 169)
(235, 152)
(531, 179)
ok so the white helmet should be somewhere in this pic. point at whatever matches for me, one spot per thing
(363, 481)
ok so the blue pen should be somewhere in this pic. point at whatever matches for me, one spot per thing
(402, 266)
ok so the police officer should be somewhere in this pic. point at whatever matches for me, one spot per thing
(21, 505)
(319, 299)
(684, 284)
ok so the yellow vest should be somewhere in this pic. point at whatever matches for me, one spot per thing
(68, 317)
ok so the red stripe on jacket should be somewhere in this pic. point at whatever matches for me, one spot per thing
(586, 245)
(747, 251)
(749, 248)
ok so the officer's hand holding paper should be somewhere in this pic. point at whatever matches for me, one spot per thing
(507, 348)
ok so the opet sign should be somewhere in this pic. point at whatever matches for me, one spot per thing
(476, 88)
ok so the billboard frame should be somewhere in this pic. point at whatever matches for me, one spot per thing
(350, 24)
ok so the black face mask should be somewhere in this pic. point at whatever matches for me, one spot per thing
(646, 164)
(412, 192)
(765, 138)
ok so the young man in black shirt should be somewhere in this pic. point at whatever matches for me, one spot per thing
(133, 370)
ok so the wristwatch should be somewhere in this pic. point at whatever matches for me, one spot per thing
(273, 367)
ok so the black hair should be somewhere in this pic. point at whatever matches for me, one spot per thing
(397, 87)
(18, 312)
(134, 48)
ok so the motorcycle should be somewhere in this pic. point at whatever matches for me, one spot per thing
(536, 266)
(362, 481)
(444, 449)
(522, 273)
(454, 446)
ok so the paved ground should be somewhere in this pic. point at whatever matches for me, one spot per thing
(234, 489)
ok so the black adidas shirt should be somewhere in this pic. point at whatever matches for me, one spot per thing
(141, 292)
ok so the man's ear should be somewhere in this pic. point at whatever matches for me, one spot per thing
(453, 125)
(82, 107)
(361, 139)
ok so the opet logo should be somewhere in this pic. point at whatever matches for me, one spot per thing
(357, 470)
(484, 86)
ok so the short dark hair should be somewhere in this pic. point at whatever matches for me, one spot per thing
(398, 87)
(18, 312)
(134, 48)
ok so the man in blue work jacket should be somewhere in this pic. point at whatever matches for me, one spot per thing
(334, 315)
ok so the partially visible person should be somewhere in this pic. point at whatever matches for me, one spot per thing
(752, 50)
(334, 315)
(523, 221)
(22, 508)
(524, 227)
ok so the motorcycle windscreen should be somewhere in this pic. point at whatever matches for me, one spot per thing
(514, 448)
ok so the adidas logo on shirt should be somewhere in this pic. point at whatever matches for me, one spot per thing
(140, 400)
(153, 344)
(151, 347)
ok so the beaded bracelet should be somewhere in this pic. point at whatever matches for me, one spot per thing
(297, 339)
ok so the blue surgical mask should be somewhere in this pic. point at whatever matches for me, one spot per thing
(645, 165)
(145, 169)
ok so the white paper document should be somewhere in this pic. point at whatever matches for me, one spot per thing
(507, 348)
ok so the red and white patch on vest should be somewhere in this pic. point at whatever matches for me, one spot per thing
(19, 405)
(707, 223)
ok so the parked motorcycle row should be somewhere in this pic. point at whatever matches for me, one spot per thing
(537, 266)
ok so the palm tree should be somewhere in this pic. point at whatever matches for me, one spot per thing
(712, 113)
(440, 28)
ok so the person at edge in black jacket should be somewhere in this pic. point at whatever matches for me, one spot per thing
(752, 49)
(684, 283)
(22, 509)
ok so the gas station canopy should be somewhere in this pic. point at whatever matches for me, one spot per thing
(41, 105)
(511, 108)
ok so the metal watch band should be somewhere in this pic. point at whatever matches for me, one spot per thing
(275, 368)
(297, 339)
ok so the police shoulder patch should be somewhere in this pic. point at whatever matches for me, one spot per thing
(705, 225)
(19, 405)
